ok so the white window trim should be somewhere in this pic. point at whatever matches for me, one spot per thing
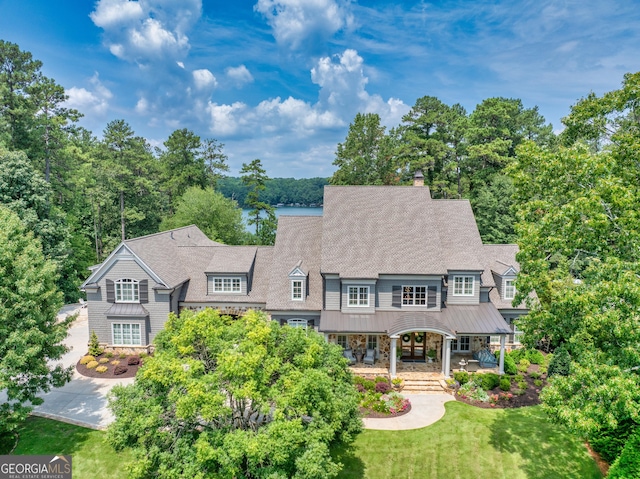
(293, 288)
(516, 334)
(375, 338)
(113, 339)
(426, 294)
(358, 288)
(457, 342)
(506, 288)
(135, 290)
(298, 323)
(464, 281)
(227, 278)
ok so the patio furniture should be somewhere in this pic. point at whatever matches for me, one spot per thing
(485, 358)
(472, 365)
(348, 353)
(370, 357)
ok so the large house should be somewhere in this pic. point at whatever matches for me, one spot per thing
(386, 268)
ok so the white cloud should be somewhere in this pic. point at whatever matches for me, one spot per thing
(225, 119)
(204, 79)
(95, 101)
(295, 22)
(142, 106)
(240, 75)
(180, 64)
(146, 30)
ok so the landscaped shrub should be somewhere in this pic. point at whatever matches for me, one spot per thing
(109, 354)
(115, 362)
(509, 365)
(103, 360)
(143, 355)
(505, 384)
(537, 382)
(461, 376)
(358, 380)
(92, 364)
(133, 360)
(122, 355)
(534, 356)
(522, 385)
(382, 387)
(87, 359)
(120, 370)
(523, 365)
(534, 375)
(561, 362)
(517, 355)
(381, 379)
(490, 381)
(609, 442)
(627, 465)
(94, 345)
(102, 369)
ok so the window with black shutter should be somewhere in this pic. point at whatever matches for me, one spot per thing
(111, 292)
(144, 291)
(396, 296)
(432, 294)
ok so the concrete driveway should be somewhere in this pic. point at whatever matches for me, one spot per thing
(81, 401)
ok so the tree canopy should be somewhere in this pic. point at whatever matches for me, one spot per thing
(234, 398)
(30, 336)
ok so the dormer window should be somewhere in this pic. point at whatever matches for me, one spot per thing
(359, 296)
(297, 290)
(227, 285)
(127, 291)
(509, 289)
(463, 285)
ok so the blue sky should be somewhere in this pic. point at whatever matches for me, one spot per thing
(281, 80)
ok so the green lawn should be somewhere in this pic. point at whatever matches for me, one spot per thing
(92, 456)
(469, 442)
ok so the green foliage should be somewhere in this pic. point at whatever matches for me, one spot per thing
(537, 382)
(609, 442)
(30, 336)
(236, 398)
(490, 381)
(523, 365)
(505, 384)
(534, 356)
(561, 362)
(288, 191)
(94, 345)
(517, 354)
(509, 365)
(534, 375)
(101, 369)
(381, 379)
(87, 359)
(627, 465)
(461, 376)
(216, 216)
(92, 364)
(262, 214)
(103, 360)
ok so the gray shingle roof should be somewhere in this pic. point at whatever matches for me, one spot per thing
(159, 251)
(231, 259)
(375, 230)
(498, 259)
(298, 243)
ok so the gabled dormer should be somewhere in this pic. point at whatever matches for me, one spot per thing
(299, 282)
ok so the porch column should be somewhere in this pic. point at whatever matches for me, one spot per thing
(392, 358)
(502, 341)
(446, 360)
(326, 337)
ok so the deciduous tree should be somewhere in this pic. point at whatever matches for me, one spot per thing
(262, 214)
(236, 398)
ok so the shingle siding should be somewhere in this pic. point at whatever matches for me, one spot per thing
(358, 309)
(332, 294)
(453, 299)
(385, 294)
(158, 305)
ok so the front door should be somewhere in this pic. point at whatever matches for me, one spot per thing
(413, 347)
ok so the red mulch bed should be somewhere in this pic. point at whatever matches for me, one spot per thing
(109, 373)
(531, 397)
(380, 415)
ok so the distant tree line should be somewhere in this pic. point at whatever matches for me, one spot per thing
(286, 191)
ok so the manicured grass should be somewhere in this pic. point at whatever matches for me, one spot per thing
(471, 443)
(91, 455)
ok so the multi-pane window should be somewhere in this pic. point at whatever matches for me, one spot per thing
(341, 339)
(298, 323)
(463, 343)
(226, 285)
(372, 342)
(358, 295)
(463, 285)
(296, 290)
(127, 291)
(414, 295)
(509, 289)
(516, 334)
(125, 334)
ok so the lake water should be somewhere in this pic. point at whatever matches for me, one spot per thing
(287, 211)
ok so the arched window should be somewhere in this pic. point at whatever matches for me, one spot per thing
(127, 291)
(298, 323)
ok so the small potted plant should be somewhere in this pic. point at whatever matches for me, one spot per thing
(431, 354)
(397, 384)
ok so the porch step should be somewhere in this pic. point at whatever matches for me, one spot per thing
(424, 386)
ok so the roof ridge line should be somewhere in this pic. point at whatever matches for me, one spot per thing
(160, 233)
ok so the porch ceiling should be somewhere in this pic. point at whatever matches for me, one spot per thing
(482, 319)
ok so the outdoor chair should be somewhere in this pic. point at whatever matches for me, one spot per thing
(348, 353)
(485, 358)
(370, 357)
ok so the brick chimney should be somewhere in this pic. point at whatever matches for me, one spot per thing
(418, 178)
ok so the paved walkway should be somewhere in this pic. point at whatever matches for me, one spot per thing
(81, 401)
(425, 410)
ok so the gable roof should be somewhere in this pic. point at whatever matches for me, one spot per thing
(373, 230)
(298, 246)
(500, 259)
